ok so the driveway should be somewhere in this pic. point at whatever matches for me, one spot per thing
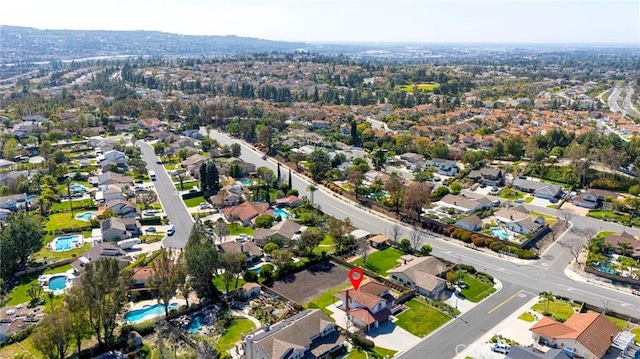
(391, 336)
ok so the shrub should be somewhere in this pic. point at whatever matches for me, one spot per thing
(292, 192)
(477, 241)
(150, 221)
(425, 250)
(250, 276)
(467, 268)
(362, 343)
(465, 237)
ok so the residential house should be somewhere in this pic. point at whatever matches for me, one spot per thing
(519, 220)
(444, 167)
(195, 134)
(141, 277)
(463, 204)
(369, 306)
(193, 163)
(251, 290)
(13, 202)
(422, 273)
(12, 178)
(518, 352)
(246, 212)
(456, 152)
(290, 201)
(539, 189)
(412, 157)
(108, 193)
(4, 213)
(249, 249)
(109, 165)
(372, 175)
(359, 234)
(593, 198)
(117, 229)
(488, 176)
(471, 223)
(115, 156)
(99, 251)
(151, 123)
(283, 232)
(379, 241)
(615, 239)
(308, 334)
(585, 335)
(114, 178)
(319, 125)
(246, 168)
(123, 208)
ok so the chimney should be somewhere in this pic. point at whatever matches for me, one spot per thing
(346, 302)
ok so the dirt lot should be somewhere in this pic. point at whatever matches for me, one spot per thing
(306, 285)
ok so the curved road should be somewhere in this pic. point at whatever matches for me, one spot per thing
(520, 282)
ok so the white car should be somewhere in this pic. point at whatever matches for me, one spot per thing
(171, 230)
(500, 348)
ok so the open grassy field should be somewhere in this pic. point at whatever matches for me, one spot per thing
(421, 319)
(420, 87)
(381, 261)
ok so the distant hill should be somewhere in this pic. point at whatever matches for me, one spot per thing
(20, 44)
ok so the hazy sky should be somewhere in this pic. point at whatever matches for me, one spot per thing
(522, 21)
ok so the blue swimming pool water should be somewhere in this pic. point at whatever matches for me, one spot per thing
(256, 270)
(154, 310)
(196, 323)
(86, 216)
(246, 181)
(500, 233)
(377, 195)
(58, 282)
(78, 188)
(64, 243)
(281, 213)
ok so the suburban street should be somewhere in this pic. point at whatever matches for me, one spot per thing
(169, 198)
(628, 109)
(546, 274)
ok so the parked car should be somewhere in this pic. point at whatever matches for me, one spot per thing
(518, 200)
(437, 179)
(151, 229)
(171, 230)
(483, 185)
(264, 157)
(553, 200)
(500, 348)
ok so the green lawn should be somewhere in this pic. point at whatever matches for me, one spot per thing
(19, 294)
(359, 354)
(548, 218)
(528, 199)
(607, 215)
(234, 332)
(421, 87)
(194, 202)
(421, 319)
(236, 229)
(187, 185)
(51, 256)
(477, 289)
(57, 270)
(60, 221)
(326, 299)
(381, 261)
(385, 352)
(169, 166)
(636, 331)
(527, 317)
(558, 308)
(618, 322)
(511, 194)
(219, 283)
(77, 204)
(356, 354)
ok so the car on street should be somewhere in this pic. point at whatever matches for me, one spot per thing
(500, 348)
(151, 229)
(171, 230)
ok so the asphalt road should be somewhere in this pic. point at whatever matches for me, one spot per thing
(545, 275)
(612, 101)
(627, 106)
(169, 198)
(627, 103)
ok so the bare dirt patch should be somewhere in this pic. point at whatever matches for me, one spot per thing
(304, 286)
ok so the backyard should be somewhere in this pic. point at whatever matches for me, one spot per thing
(476, 289)
(234, 332)
(46, 254)
(64, 221)
(18, 294)
(421, 319)
(326, 245)
(313, 282)
(218, 281)
(381, 261)
(326, 299)
(236, 229)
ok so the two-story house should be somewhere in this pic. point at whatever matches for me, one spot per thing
(123, 208)
(108, 193)
(308, 334)
(488, 176)
(193, 163)
(369, 306)
(117, 229)
(593, 198)
(444, 167)
(13, 202)
(114, 178)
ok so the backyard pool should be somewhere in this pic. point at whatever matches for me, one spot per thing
(281, 213)
(65, 243)
(79, 188)
(147, 310)
(377, 195)
(196, 323)
(58, 282)
(246, 181)
(499, 232)
(86, 216)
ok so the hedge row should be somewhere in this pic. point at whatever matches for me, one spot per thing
(333, 187)
(520, 253)
(150, 221)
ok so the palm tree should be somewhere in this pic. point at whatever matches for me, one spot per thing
(68, 181)
(548, 296)
(311, 188)
(625, 248)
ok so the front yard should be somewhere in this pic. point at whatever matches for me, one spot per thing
(511, 194)
(558, 309)
(476, 289)
(194, 202)
(381, 261)
(421, 319)
(186, 185)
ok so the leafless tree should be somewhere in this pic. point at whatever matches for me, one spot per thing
(396, 233)
(416, 237)
(181, 175)
(576, 242)
(363, 248)
(146, 198)
(566, 216)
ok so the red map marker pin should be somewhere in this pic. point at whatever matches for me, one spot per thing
(355, 276)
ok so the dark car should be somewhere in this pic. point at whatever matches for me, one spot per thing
(483, 185)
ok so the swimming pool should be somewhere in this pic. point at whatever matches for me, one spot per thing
(147, 310)
(58, 282)
(86, 216)
(65, 243)
(246, 181)
(281, 213)
(499, 232)
(377, 195)
(79, 188)
(196, 323)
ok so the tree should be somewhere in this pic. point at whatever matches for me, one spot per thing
(282, 258)
(269, 247)
(425, 250)
(405, 246)
(164, 278)
(356, 178)
(416, 196)
(22, 237)
(181, 174)
(548, 296)
(625, 248)
(319, 164)
(202, 262)
(295, 157)
(235, 150)
(264, 221)
(265, 136)
(455, 188)
(69, 194)
(416, 238)
(310, 239)
(267, 175)
(337, 230)
(234, 171)
(290, 180)
(35, 293)
(183, 153)
(232, 265)
(210, 178)
(312, 189)
(221, 230)
(566, 216)
(146, 198)
(52, 337)
(395, 233)
(77, 314)
(159, 148)
(10, 149)
(452, 278)
(574, 244)
(379, 158)
(363, 249)
(395, 188)
(105, 289)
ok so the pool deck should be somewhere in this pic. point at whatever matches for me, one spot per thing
(43, 280)
(52, 245)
